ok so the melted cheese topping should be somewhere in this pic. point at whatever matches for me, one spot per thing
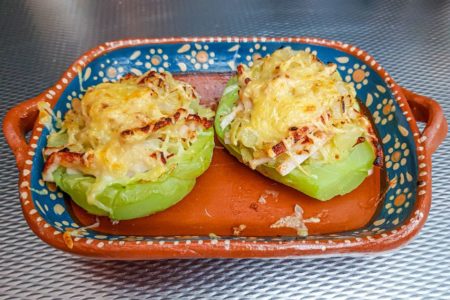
(130, 130)
(293, 108)
(287, 89)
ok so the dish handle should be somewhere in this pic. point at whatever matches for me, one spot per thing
(18, 121)
(430, 112)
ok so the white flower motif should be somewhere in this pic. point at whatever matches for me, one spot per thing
(399, 201)
(385, 111)
(200, 57)
(397, 155)
(255, 53)
(109, 72)
(156, 60)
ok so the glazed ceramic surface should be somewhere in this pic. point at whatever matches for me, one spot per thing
(403, 203)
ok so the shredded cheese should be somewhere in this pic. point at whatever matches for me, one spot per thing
(293, 108)
(127, 130)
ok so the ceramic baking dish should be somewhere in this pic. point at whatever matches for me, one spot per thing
(224, 215)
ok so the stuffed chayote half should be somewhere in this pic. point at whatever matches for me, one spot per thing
(293, 119)
(131, 148)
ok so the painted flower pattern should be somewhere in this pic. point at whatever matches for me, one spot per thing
(156, 60)
(255, 52)
(385, 112)
(358, 75)
(201, 57)
(109, 71)
(399, 201)
(397, 155)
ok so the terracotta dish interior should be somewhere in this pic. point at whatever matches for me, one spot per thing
(228, 195)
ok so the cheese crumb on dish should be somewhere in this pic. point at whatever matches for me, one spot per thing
(294, 221)
(237, 230)
(268, 194)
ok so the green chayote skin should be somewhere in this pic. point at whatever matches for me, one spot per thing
(144, 198)
(321, 181)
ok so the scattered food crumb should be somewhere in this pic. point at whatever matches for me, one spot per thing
(78, 232)
(254, 206)
(312, 220)
(268, 193)
(272, 193)
(294, 221)
(323, 214)
(114, 222)
(51, 186)
(237, 230)
(219, 147)
(213, 235)
(67, 237)
(262, 200)
(213, 105)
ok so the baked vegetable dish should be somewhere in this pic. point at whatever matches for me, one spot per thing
(131, 148)
(293, 119)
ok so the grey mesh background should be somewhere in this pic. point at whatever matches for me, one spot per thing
(39, 39)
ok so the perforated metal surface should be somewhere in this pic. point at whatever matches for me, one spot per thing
(39, 39)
